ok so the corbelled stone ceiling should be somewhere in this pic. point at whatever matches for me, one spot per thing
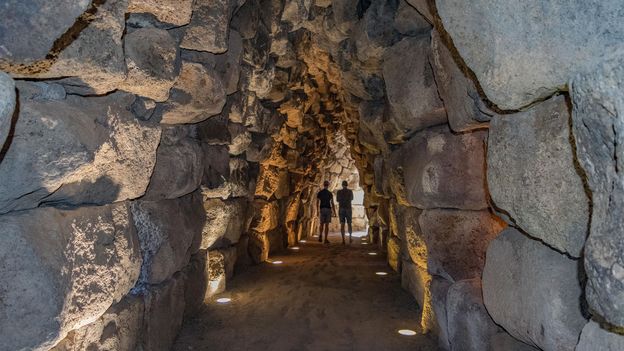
(151, 149)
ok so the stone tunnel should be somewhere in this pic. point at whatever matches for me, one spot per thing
(158, 156)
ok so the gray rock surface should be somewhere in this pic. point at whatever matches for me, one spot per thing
(598, 129)
(538, 305)
(464, 107)
(30, 28)
(62, 269)
(441, 170)
(7, 106)
(411, 87)
(225, 222)
(209, 27)
(593, 337)
(169, 231)
(75, 151)
(422, 6)
(197, 94)
(522, 51)
(117, 329)
(456, 241)
(152, 60)
(179, 166)
(470, 328)
(164, 311)
(176, 12)
(93, 61)
(532, 175)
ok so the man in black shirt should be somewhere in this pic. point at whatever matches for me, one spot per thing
(325, 204)
(344, 198)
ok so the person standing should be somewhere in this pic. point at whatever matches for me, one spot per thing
(344, 197)
(325, 205)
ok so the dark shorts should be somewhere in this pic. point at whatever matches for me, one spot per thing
(326, 214)
(344, 214)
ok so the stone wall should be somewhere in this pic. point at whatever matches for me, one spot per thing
(150, 149)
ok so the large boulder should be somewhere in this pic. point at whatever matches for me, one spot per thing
(226, 221)
(532, 175)
(593, 337)
(30, 28)
(153, 63)
(117, 329)
(438, 169)
(62, 269)
(464, 107)
(209, 28)
(164, 311)
(523, 51)
(90, 53)
(197, 94)
(521, 279)
(175, 12)
(179, 166)
(411, 87)
(169, 232)
(74, 151)
(7, 106)
(598, 123)
(470, 328)
(456, 241)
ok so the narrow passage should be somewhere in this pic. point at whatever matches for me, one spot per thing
(318, 298)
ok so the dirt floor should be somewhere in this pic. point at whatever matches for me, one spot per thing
(319, 298)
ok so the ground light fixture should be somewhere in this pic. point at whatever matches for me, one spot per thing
(224, 300)
(303, 241)
(294, 248)
(406, 332)
(277, 262)
(381, 273)
(372, 253)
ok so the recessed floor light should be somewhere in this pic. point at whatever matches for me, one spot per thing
(277, 262)
(381, 273)
(407, 332)
(303, 241)
(294, 248)
(364, 243)
(224, 300)
(372, 253)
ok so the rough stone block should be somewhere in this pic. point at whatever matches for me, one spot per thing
(532, 175)
(168, 230)
(464, 107)
(7, 106)
(75, 151)
(470, 328)
(153, 60)
(533, 292)
(456, 241)
(117, 329)
(598, 124)
(176, 12)
(179, 166)
(209, 27)
(30, 28)
(62, 269)
(438, 169)
(523, 51)
(225, 222)
(197, 94)
(164, 311)
(593, 337)
(411, 88)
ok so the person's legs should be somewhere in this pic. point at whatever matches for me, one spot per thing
(348, 218)
(321, 229)
(326, 232)
(341, 218)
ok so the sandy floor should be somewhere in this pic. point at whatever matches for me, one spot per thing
(320, 298)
